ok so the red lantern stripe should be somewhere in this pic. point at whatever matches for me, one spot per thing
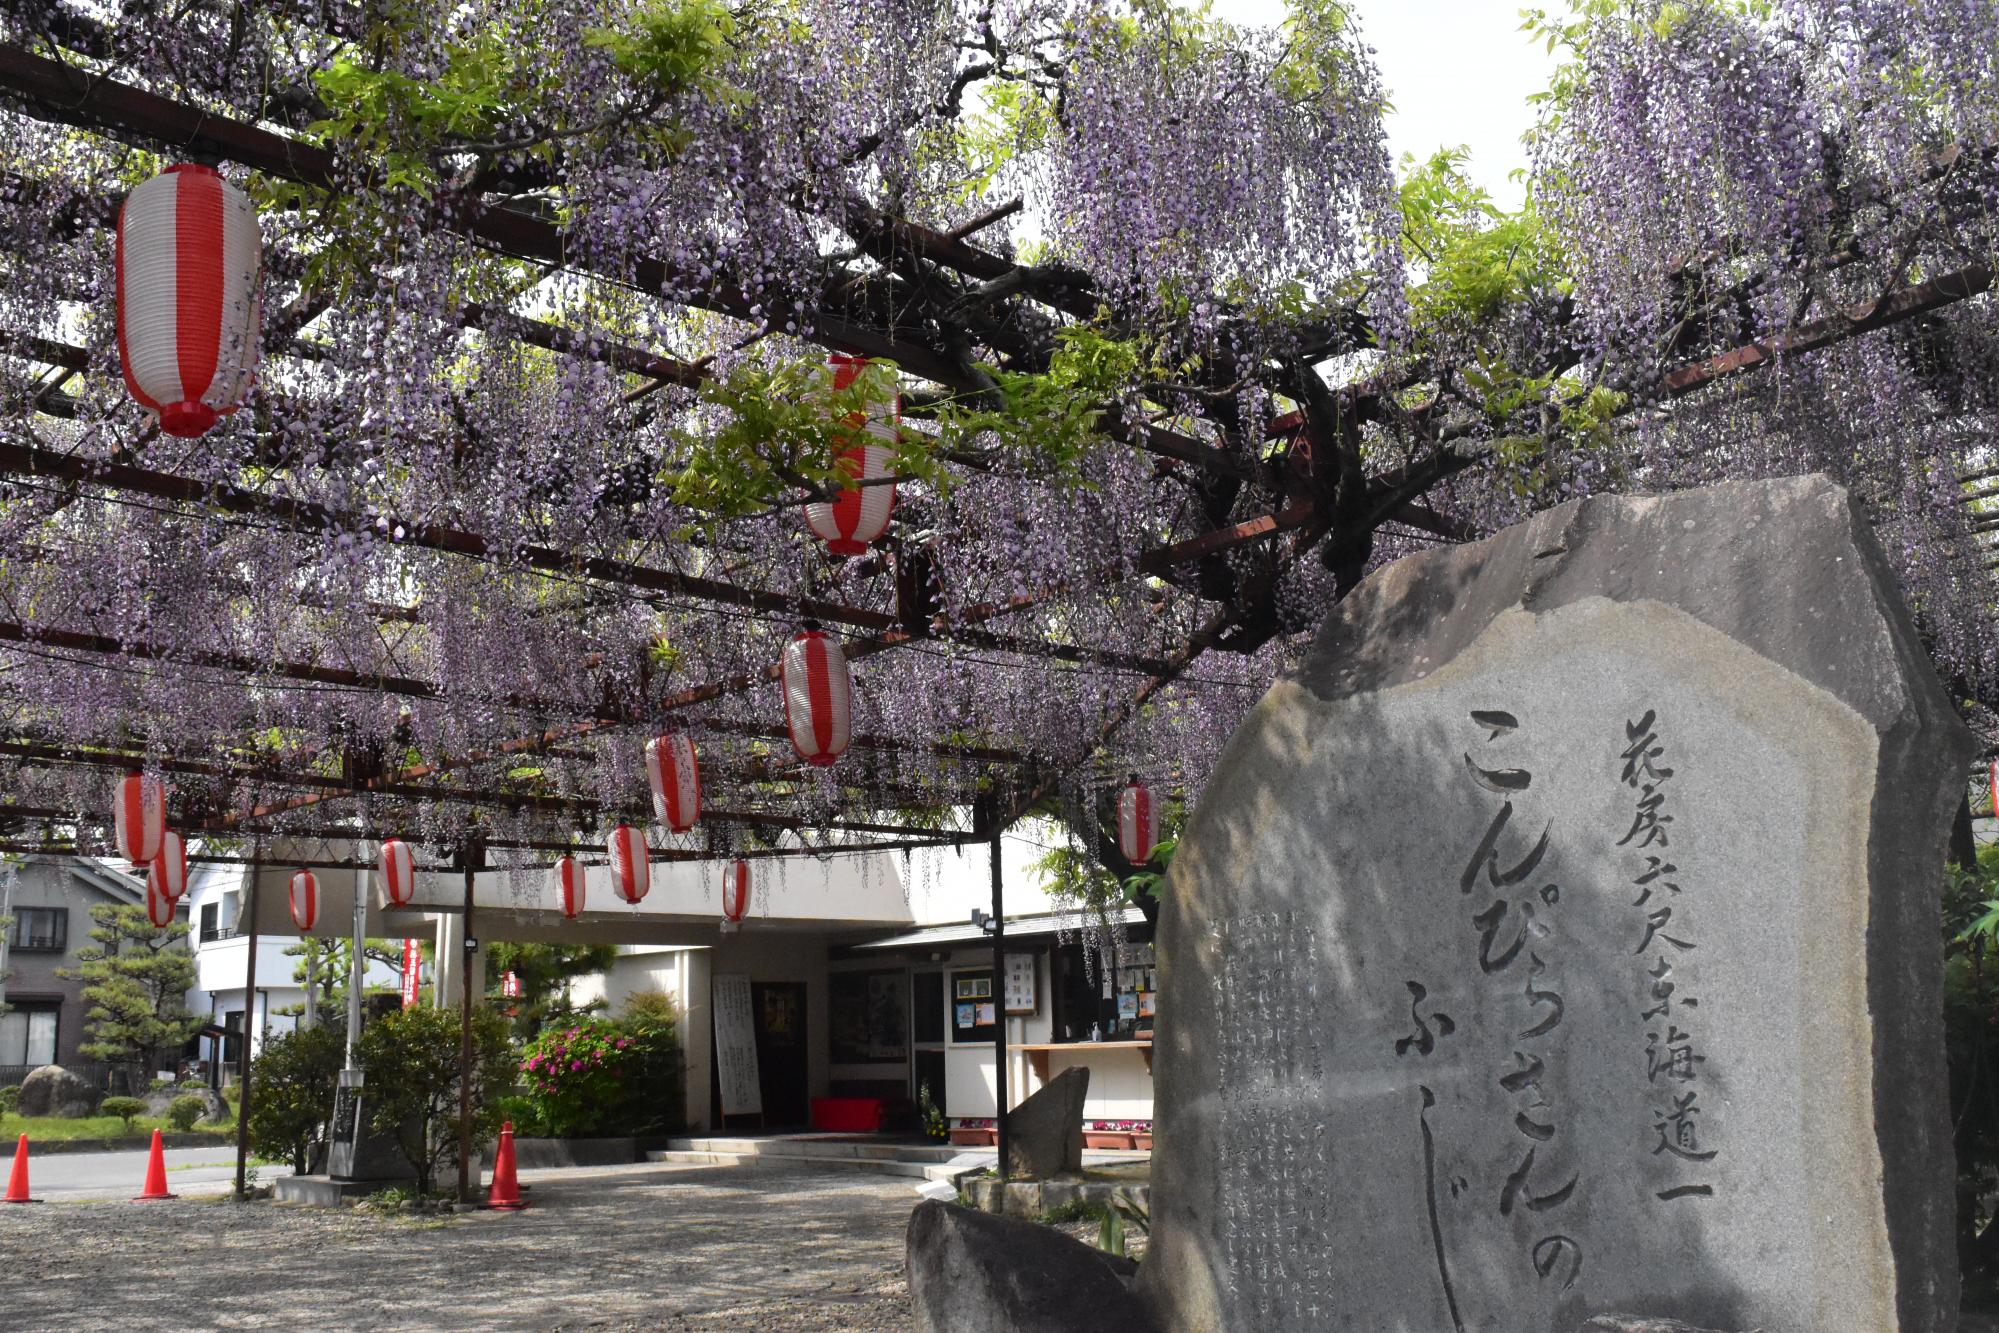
(305, 899)
(139, 818)
(1135, 823)
(188, 252)
(735, 889)
(568, 878)
(160, 905)
(1993, 786)
(170, 866)
(398, 872)
(674, 771)
(630, 873)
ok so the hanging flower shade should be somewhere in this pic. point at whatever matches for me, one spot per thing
(139, 818)
(188, 313)
(630, 873)
(674, 771)
(818, 696)
(305, 899)
(735, 892)
(857, 515)
(398, 871)
(169, 868)
(567, 879)
(159, 904)
(1137, 822)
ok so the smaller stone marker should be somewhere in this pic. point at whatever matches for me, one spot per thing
(972, 1272)
(1045, 1133)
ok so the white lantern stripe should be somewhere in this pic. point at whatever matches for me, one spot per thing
(818, 697)
(188, 253)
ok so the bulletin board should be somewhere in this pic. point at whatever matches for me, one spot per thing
(972, 1006)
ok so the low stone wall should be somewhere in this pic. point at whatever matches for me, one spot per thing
(1032, 1198)
(537, 1154)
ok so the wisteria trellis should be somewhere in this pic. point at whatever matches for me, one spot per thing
(479, 533)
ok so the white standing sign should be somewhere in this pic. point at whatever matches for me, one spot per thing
(736, 1046)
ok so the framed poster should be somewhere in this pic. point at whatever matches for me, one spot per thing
(972, 1016)
(1022, 994)
(870, 1017)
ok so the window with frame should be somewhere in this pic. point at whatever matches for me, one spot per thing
(41, 929)
(28, 1033)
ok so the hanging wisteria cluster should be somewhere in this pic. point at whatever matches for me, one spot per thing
(548, 293)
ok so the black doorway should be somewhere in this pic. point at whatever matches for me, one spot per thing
(779, 1007)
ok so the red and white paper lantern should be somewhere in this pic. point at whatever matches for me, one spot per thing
(735, 892)
(1992, 785)
(857, 515)
(674, 771)
(566, 877)
(159, 907)
(818, 696)
(139, 818)
(169, 868)
(630, 872)
(305, 899)
(1137, 822)
(188, 311)
(398, 871)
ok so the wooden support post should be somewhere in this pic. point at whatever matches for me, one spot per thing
(999, 1002)
(467, 1182)
(249, 1029)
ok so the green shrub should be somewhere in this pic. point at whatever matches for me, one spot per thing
(125, 1108)
(599, 1076)
(183, 1111)
(409, 1058)
(294, 1079)
(10, 1098)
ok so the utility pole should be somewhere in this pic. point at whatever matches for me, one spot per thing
(249, 1026)
(6, 926)
(358, 969)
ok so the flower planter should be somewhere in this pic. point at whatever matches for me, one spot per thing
(1142, 1142)
(974, 1138)
(1104, 1138)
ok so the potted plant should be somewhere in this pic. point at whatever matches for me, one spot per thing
(1106, 1134)
(974, 1134)
(1141, 1135)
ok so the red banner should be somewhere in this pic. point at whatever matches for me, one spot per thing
(510, 985)
(412, 972)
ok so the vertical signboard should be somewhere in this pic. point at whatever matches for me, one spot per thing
(736, 1046)
(412, 968)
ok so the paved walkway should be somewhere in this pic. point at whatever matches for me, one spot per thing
(72, 1176)
(644, 1247)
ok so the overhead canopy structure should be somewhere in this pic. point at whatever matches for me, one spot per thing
(546, 302)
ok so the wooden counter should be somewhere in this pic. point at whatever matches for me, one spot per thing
(1038, 1052)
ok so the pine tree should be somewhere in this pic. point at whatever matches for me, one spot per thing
(135, 981)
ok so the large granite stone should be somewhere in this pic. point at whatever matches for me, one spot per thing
(1044, 1134)
(53, 1090)
(1564, 938)
(973, 1272)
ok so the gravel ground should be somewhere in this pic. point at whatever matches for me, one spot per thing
(655, 1247)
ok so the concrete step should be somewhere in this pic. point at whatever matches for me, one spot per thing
(802, 1146)
(777, 1161)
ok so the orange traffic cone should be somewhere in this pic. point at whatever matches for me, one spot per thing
(17, 1179)
(505, 1191)
(156, 1174)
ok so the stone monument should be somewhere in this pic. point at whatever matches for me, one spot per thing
(1563, 940)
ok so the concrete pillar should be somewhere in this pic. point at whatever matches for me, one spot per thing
(450, 950)
(697, 1035)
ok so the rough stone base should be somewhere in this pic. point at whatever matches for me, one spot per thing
(970, 1272)
(1031, 1198)
(1630, 1323)
(322, 1192)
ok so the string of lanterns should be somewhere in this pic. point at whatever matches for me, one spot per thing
(189, 258)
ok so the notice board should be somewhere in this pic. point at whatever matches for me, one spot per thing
(736, 1046)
